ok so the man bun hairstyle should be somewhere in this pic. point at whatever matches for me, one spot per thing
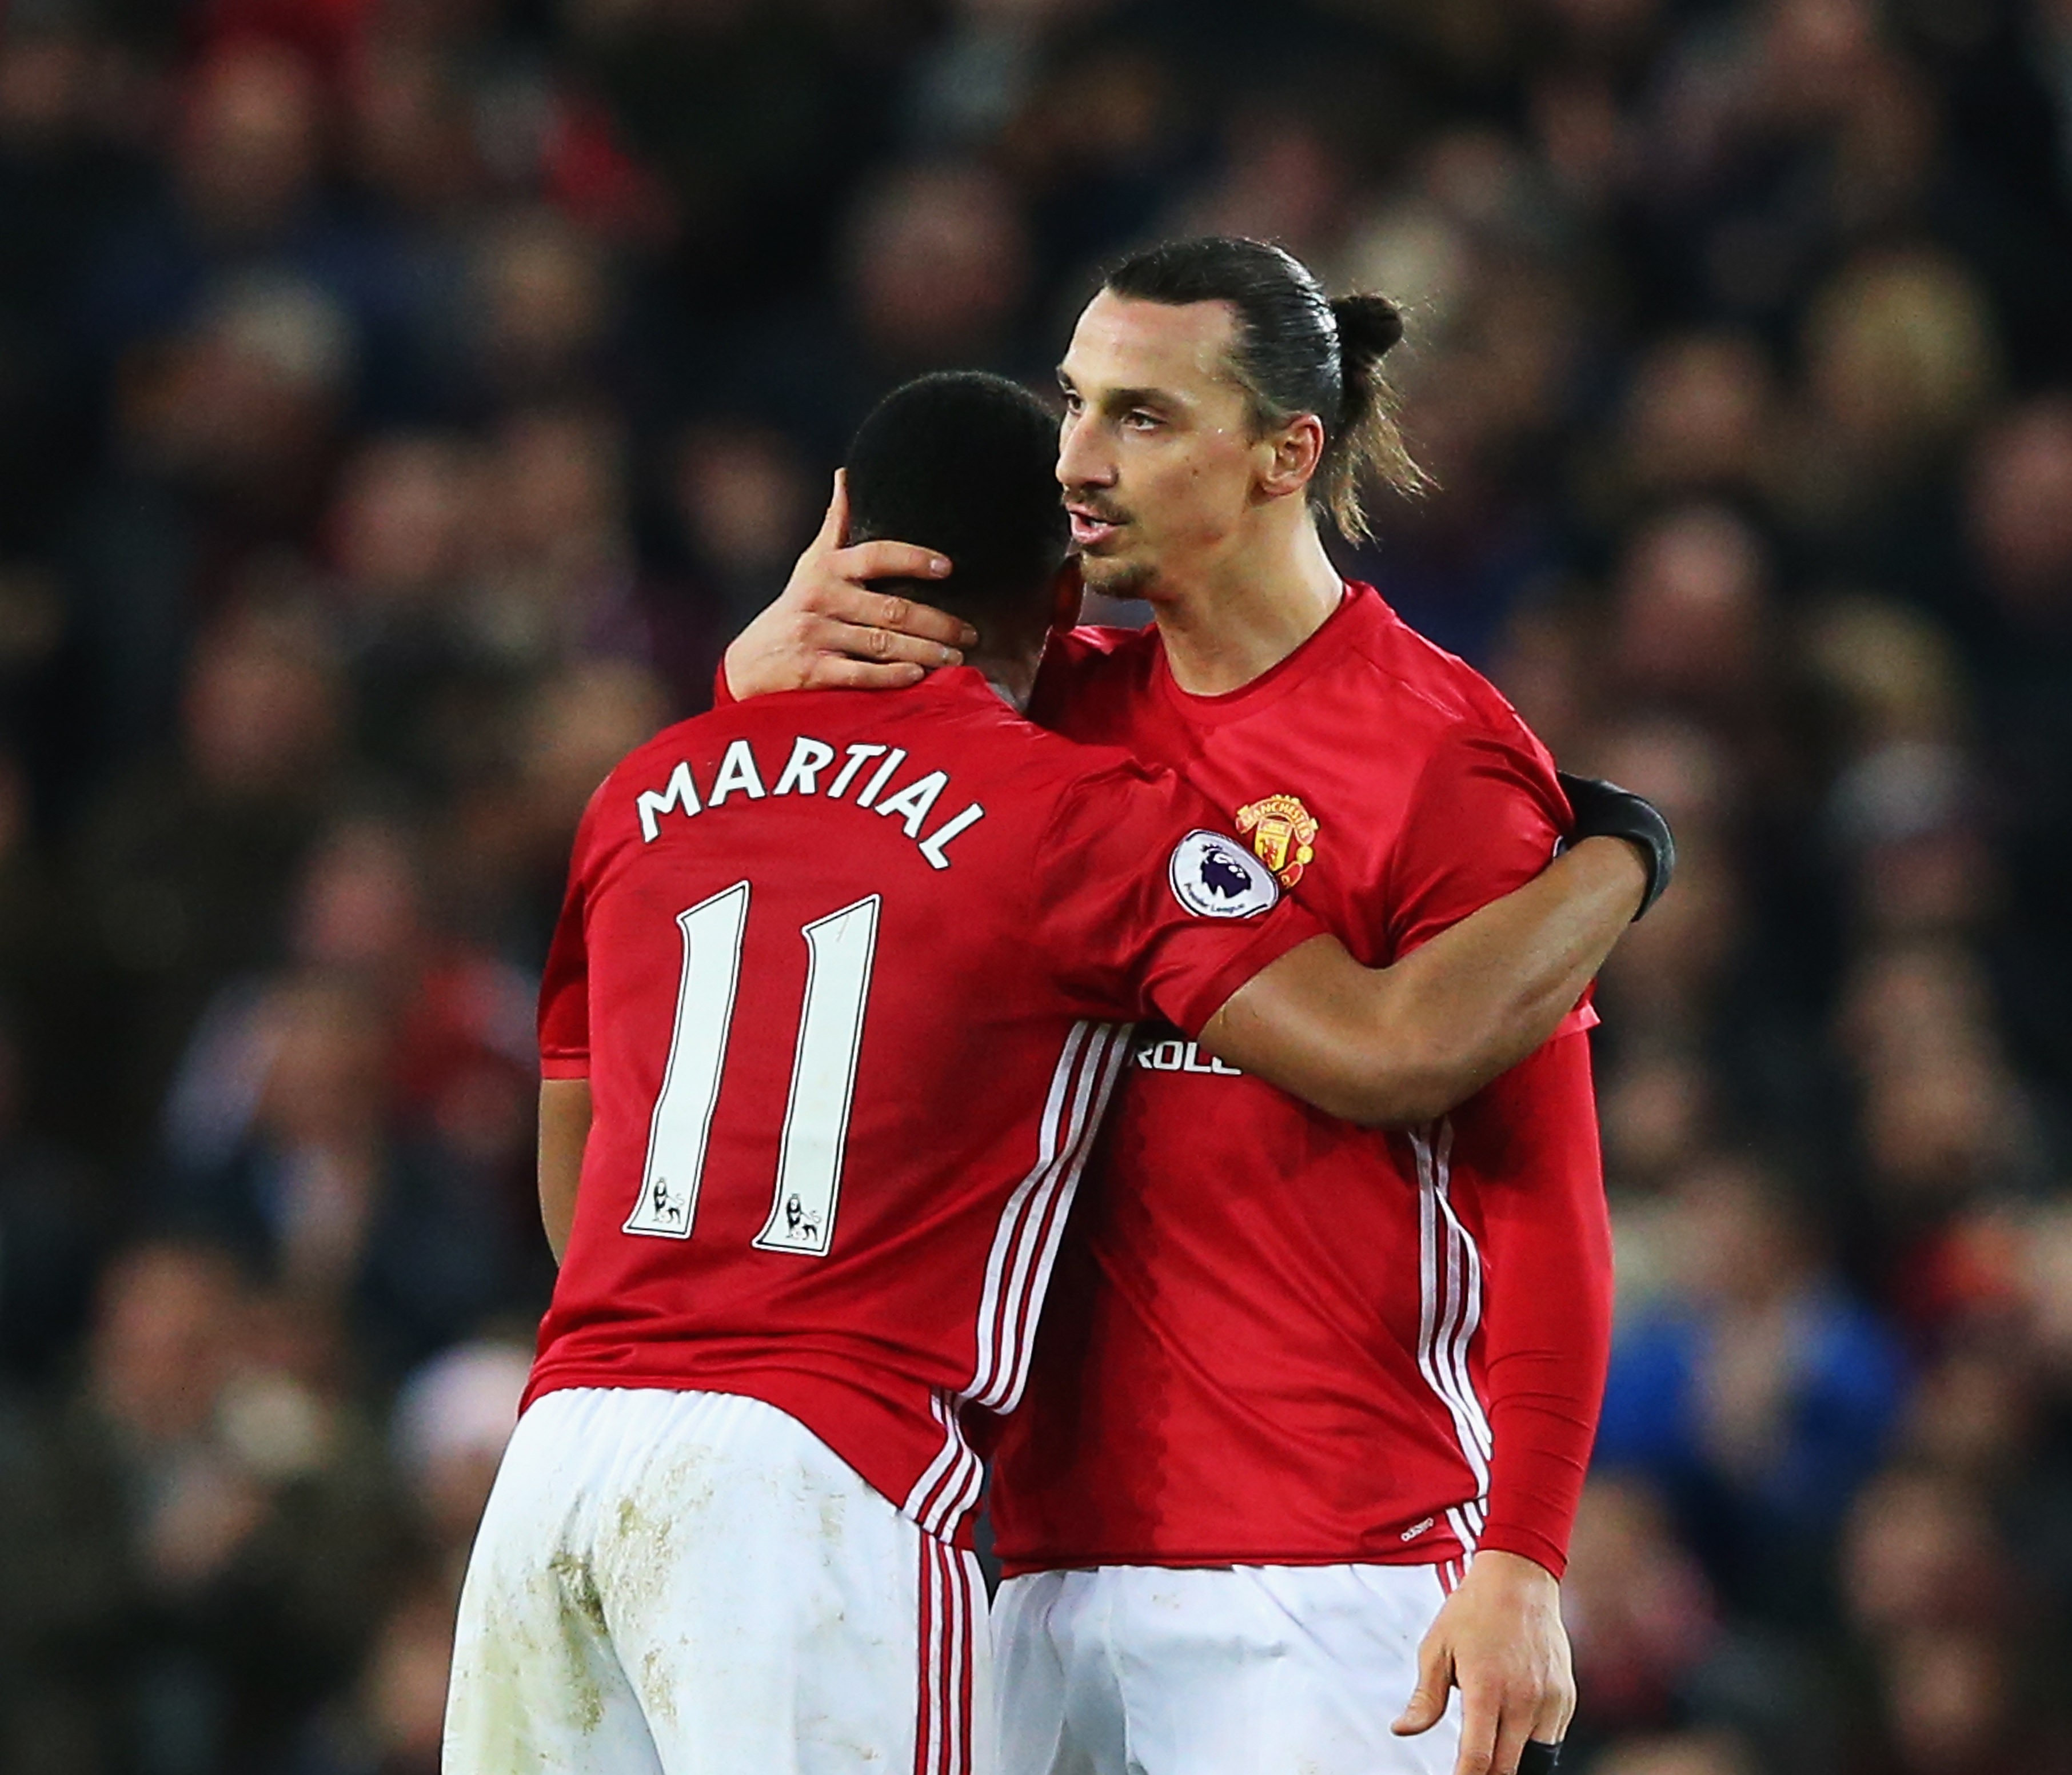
(964, 463)
(1296, 351)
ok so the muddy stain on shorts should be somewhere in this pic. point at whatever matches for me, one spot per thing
(652, 1526)
(658, 1694)
(578, 1612)
(528, 1672)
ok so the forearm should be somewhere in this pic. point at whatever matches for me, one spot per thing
(1481, 996)
(564, 1132)
(1546, 1240)
(1404, 1044)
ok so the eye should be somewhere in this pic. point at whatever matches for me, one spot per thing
(1073, 403)
(1138, 420)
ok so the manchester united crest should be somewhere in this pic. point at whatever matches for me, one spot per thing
(1283, 834)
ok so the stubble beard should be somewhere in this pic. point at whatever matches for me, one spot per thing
(1121, 580)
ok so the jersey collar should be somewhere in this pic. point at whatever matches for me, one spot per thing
(1286, 674)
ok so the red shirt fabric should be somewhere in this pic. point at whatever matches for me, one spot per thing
(850, 976)
(1274, 1337)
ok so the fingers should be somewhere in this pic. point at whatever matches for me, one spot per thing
(885, 560)
(1480, 1719)
(1527, 1713)
(866, 609)
(1427, 1700)
(1557, 1707)
(834, 526)
(879, 645)
(831, 672)
(1513, 1730)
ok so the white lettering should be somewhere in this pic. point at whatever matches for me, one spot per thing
(931, 847)
(736, 772)
(883, 775)
(858, 757)
(917, 800)
(809, 758)
(680, 792)
(739, 776)
(1173, 1055)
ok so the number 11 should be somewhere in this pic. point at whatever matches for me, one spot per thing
(839, 951)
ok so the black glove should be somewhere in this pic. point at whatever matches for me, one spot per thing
(1604, 810)
(1538, 1758)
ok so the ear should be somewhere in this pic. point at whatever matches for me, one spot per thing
(1067, 592)
(1291, 456)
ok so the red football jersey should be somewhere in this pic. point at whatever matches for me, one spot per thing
(850, 976)
(1275, 1337)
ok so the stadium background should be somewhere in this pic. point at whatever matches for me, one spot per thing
(401, 401)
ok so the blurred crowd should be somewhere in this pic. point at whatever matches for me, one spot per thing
(401, 401)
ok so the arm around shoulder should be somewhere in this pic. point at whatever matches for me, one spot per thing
(1405, 1044)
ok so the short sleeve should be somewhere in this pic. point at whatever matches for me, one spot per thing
(565, 985)
(1145, 903)
(1486, 817)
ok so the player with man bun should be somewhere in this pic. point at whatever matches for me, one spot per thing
(1307, 1426)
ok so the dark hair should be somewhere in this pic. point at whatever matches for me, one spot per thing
(964, 463)
(1297, 351)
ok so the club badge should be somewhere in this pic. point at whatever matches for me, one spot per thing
(1283, 834)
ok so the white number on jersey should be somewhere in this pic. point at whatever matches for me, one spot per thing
(690, 1081)
(839, 949)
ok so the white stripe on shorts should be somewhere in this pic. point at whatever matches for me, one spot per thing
(949, 1617)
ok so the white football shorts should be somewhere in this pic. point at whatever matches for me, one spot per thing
(693, 1584)
(1227, 1671)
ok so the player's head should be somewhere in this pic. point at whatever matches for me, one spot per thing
(961, 462)
(1211, 385)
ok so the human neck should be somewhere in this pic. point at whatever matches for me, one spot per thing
(1011, 672)
(1222, 631)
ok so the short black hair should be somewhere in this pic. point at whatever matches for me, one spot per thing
(965, 463)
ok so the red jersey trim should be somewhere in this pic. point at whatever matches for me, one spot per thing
(565, 1066)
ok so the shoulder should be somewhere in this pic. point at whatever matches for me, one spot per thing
(670, 743)
(1077, 769)
(611, 812)
(1435, 695)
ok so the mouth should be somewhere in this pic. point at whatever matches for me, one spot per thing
(1091, 529)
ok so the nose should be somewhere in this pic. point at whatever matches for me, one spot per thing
(1082, 460)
